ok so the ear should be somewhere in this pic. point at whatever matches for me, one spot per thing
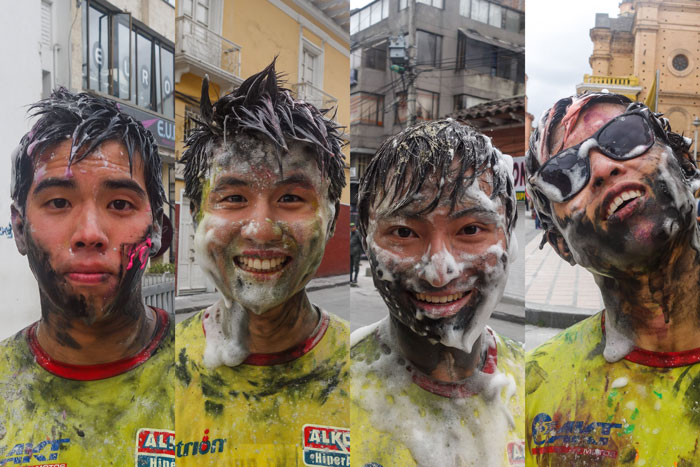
(156, 234)
(331, 230)
(555, 239)
(18, 229)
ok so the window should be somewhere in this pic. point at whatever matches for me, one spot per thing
(367, 109)
(429, 48)
(496, 15)
(464, 101)
(375, 57)
(369, 15)
(436, 3)
(126, 60)
(482, 57)
(426, 106)
(191, 117)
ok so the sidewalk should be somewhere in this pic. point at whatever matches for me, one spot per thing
(557, 295)
(196, 302)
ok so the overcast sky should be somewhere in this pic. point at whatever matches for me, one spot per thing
(557, 46)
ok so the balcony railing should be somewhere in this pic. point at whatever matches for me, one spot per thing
(315, 96)
(611, 80)
(199, 42)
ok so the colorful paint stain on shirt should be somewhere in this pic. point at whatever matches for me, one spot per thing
(262, 412)
(121, 419)
(582, 410)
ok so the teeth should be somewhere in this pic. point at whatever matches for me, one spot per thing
(257, 264)
(439, 299)
(627, 195)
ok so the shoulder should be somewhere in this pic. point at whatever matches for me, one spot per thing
(15, 355)
(563, 355)
(190, 328)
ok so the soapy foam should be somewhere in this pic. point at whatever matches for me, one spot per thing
(469, 431)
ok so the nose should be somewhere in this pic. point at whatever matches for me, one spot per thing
(604, 168)
(261, 227)
(89, 232)
(438, 266)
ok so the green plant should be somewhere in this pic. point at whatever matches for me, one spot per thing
(160, 268)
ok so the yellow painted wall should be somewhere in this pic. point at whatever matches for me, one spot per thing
(265, 31)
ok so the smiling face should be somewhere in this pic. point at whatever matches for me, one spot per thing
(441, 273)
(630, 210)
(262, 231)
(86, 230)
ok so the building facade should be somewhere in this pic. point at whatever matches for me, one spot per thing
(232, 39)
(650, 35)
(467, 52)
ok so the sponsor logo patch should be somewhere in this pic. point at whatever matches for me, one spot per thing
(572, 437)
(155, 448)
(24, 453)
(516, 452)
(326, 446)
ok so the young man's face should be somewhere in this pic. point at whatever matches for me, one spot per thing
(262, 231)
(441, 273)
(86, 229)
(630, 209)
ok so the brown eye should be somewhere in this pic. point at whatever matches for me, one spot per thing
(58, 203)
(120, 205)
(471, 230)
(404, 232)
(290, 199)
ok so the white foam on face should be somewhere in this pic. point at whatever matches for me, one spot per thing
(226, 330)
(450, 432)
(219, 239)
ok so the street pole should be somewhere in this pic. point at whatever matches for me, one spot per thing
(411, 91)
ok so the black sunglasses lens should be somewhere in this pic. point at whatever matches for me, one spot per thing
(627, 137)
(564, 175)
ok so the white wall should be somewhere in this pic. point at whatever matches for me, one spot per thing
(20, 82)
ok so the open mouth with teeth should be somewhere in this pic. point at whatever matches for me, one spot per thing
(621, 201)
(443, 305)
(262, 265)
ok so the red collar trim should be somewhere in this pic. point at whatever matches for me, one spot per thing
(268, 359)
(103, 370)
(456, 390)
(659, 359)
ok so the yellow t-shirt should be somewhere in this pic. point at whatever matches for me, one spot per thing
(56, 414)
(268, 411)
(401, 418)
(582, 410)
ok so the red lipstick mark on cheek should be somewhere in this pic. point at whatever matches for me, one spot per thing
(140, 251)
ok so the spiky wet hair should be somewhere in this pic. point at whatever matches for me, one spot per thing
(87, 121)
(540, 140)
(262, 107)
(424, 153)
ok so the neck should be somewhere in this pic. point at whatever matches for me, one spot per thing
(110, 338)
(282, 327)
(658, 310)
(441, 363)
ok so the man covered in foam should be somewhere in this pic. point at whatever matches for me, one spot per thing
(263, 367)
(94, 376)
(431, 383)
(615, 189)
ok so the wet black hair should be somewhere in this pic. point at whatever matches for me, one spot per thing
(553, 117)
(405, 162)
(87, 121)
(262, 107)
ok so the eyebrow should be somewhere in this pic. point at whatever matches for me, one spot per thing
(478, 211)
(228, 181)
(125, 184)
(53, 182)
(297, 179)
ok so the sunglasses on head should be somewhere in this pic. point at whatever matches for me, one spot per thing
(565, 174)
